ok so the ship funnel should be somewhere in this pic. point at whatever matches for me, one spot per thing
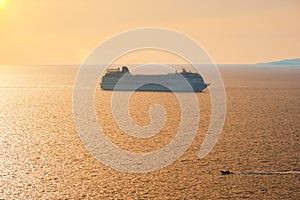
(124, 69)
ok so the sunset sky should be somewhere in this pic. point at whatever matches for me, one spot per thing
(65, 31)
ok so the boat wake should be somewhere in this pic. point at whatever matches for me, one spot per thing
(270, 172)
(263, 172)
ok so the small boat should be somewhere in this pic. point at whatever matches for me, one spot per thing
(226, 172)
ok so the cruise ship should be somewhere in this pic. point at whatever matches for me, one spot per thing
(183, 81)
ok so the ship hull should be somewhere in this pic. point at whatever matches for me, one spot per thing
(155, 87)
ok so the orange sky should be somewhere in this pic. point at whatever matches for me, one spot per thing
(65, 31)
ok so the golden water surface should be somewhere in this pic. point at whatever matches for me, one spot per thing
(42, 156)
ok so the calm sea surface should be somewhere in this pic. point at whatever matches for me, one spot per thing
(42, 156)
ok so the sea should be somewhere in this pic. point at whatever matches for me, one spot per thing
(42, 155)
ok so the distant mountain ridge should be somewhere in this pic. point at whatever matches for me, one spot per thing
(295, 61)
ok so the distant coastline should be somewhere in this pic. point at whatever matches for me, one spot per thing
(294, 62)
